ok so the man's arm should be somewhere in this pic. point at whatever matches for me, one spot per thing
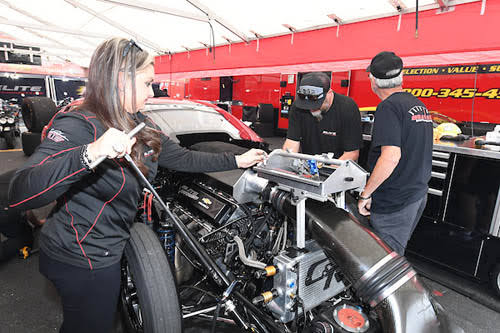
(386, 163)
(291, 145)
(350, 155)
(294, 132)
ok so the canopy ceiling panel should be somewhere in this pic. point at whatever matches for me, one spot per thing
(71, 29)
(456, 36)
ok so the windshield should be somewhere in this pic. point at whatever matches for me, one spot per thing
(183, 119)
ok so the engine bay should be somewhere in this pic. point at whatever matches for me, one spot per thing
(246, 248)
(253, 243)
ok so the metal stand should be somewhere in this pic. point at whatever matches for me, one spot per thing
(301, 222)
(339, 199)
(280, 169)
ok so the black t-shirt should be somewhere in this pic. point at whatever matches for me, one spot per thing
(339, 130)
(402, 120)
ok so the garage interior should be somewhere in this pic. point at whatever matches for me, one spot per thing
(246, 59)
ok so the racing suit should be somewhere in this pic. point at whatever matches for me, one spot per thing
(90, 224)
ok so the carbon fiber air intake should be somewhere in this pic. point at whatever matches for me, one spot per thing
(381, 278)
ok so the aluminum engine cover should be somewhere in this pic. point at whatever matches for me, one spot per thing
(307, 274)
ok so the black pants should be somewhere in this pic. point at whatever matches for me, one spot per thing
(13, 223)
(18, 233)
(89, 297)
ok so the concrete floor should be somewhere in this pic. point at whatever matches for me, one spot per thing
(29, 303)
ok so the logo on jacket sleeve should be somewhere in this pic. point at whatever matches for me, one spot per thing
(329, 133)
(56, 136)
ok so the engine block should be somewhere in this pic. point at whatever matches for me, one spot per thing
(305, 274)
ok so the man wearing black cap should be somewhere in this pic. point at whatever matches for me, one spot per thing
(322, 121)
(400, 156)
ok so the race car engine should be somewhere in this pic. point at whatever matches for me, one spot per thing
(291, 265)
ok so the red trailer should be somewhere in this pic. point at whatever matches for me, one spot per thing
(462, 93)
(451, 65)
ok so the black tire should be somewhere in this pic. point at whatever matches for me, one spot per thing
(265, 113)
(30, 142)
(9, 139)
(37, 112)
(249, 114)
(148, 295)
(264, 130)
(495, 279)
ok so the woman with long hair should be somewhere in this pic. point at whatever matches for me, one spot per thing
(83, 239)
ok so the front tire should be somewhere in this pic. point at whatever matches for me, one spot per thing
(30, 142)
(148, 295)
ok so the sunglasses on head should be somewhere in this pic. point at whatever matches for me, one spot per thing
(310, 97)
(127, 48)
(310, 93)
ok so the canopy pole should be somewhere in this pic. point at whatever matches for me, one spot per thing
(416, 19)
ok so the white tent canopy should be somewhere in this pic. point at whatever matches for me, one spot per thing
(71, 29)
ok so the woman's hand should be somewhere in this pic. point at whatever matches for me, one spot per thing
(112, 144)
(251, 157)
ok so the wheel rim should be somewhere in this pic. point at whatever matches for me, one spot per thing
(130, 298)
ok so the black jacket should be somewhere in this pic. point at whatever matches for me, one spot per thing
(90, 224)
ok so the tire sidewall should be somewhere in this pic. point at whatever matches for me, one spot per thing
(154, 282)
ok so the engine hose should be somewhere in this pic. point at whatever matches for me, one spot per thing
(380, 277)
(248, 212)
(243, 256)
(216, 315)
(258, 229)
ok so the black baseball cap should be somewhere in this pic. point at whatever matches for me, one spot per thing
(385, 65)
(311, 91)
